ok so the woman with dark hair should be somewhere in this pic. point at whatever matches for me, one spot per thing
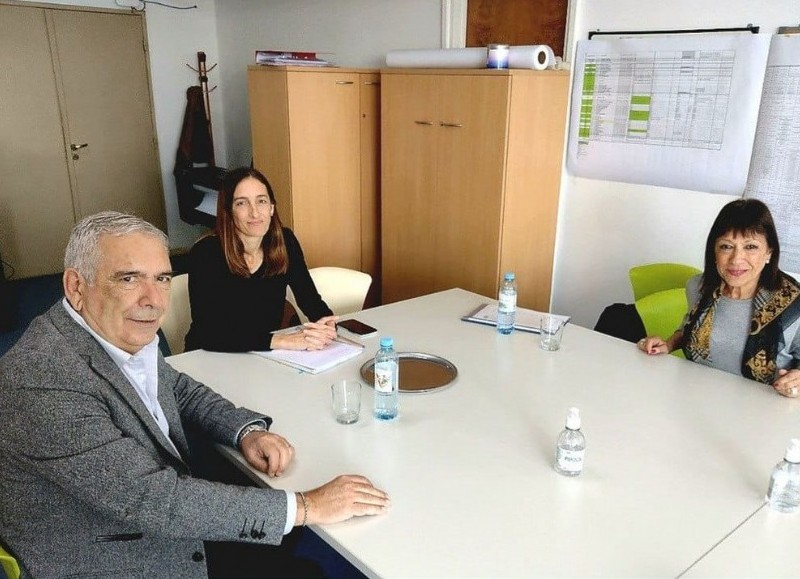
(238, 276)
(745, 315)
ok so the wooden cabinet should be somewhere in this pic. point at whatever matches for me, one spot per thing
(471, 165)
(316, 138)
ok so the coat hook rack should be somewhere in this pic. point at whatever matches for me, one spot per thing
(202, 73)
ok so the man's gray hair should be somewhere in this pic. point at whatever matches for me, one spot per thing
(83, 247)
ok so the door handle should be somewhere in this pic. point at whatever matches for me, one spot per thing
(426, 123)
(74, 147)
(451, 125)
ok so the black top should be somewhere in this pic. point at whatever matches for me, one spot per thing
(236, 314)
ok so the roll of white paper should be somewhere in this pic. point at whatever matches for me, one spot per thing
(537, 57)
(441, 58)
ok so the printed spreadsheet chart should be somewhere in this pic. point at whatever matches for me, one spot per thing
(674, 111)
(775, 168)
(670, 98)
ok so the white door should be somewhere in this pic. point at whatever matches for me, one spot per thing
(103, 66)
(36, 212)
(76, 127)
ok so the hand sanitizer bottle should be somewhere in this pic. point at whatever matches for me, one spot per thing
(783, 493)
(571, 446)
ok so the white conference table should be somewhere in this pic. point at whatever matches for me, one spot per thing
(678, 455)
(766, 545)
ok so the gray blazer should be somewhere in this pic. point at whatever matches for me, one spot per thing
(90, 486)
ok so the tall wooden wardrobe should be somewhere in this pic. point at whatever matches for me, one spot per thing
(316, 136)
(471, 167)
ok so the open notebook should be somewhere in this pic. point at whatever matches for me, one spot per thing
(315, 361)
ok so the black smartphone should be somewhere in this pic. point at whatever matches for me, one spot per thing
(356, 327)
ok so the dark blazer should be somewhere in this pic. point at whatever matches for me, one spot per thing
(89, 485)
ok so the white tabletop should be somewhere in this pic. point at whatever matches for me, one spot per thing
(766, 545)
(678, 455)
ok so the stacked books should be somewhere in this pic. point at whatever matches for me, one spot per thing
(287, 57)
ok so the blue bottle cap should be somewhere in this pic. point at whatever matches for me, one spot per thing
(509, 275)
(387, 342)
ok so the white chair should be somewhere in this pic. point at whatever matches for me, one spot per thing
(179, 314)
(344, 290)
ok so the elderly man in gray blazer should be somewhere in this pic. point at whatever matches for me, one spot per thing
(94, 473)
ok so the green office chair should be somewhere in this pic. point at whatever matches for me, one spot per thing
(656, 277)
(9, 564)
(662, 313)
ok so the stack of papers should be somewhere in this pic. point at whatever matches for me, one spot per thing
(293, 58)
(315, 361)
(525, 320)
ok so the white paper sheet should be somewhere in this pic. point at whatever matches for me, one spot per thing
(525, 320)
(775, 167)
(209, 202)
(675, 111)
(315, 361)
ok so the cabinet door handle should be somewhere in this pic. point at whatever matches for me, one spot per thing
(451, 125)
(426, 123)
(74, 147)
(369, 82)
(344, 82)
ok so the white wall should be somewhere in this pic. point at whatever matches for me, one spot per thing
(605, 228)
(174, 38)
(358, 33)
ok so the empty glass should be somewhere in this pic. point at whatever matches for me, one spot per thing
(550, 330)
(346, 397)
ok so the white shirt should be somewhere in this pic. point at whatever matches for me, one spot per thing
(141, 370)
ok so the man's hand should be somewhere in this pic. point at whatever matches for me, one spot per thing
(267, 452)
(344, 497)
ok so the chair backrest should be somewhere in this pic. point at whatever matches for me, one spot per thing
(662, 312)
(656, 277)
(179, 314)
(344, 290)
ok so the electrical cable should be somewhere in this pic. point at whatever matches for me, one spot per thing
(169, 5)
(3, 262)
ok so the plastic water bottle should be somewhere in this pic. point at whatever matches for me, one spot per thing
(571, 446)
(783, 493)
(507, 304)
(387, 381)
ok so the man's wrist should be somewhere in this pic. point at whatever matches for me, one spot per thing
(250, 428)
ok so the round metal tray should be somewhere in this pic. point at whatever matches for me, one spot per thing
(419, 372)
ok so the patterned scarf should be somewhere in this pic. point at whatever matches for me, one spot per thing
(772, 312)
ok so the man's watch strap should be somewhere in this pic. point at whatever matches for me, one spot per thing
(247, 430)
